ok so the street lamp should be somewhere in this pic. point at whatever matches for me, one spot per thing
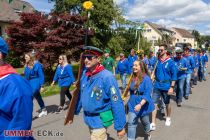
(87, 5)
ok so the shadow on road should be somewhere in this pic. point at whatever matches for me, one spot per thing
(51, 108)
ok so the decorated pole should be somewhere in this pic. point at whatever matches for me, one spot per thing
(139, 28)
(87, 5)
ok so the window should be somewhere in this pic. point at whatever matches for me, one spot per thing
(149, 30)
(17, 11)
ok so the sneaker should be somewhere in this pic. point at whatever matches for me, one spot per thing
(186, 97)
(152, 127)
(148, 137)
(43, 113)
(59, 110)
(168, 121)
(179, 104)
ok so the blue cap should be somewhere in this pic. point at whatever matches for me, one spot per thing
(3, 46)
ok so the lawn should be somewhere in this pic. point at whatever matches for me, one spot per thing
(53, 90)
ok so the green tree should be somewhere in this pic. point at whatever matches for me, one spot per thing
(101, 17)
(197, 36)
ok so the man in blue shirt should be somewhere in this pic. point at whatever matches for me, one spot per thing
(16, 105)
(123, 68)
(195, 75)
(165, 77)
(205, 64)
(182, 66)
(152, 61)
(100, 97)
(190, 70)
(131, 58)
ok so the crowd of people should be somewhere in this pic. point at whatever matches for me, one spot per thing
(153, 81)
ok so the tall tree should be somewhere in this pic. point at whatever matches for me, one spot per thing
(49, 37)
(197, 36)
(101, 18)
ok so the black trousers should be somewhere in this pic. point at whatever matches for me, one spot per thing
(64, 91)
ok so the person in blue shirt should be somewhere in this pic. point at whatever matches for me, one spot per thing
(65, 77)
(131, 58)
(165, 77)
(100, 97)
(123, 68)
(146, 60)
(140, 103)
(152, 61)
(16, 105)
(195, 75)
(202, 64)
(33, 72)
(190, 70)
(181, 65)
(205, 64)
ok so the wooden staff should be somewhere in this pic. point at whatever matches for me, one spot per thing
(153, 72)
(125, 93)
(75, 95)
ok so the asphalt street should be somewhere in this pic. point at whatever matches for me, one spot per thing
(189, 122)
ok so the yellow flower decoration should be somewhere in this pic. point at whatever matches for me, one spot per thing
(139, 52)
(87, 5)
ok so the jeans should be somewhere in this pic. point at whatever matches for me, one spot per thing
(123, 80)
(204, 73)
(200, 73)
(133, 122)
(187, 85)
(64, 91)
(180, 90)
(161, 102)
(157, 93)
(39, 99)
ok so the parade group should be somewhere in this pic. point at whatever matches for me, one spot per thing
(153, 80)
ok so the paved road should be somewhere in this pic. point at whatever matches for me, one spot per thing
(190, 122)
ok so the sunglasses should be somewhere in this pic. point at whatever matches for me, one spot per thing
(160, 50)
(89, 57)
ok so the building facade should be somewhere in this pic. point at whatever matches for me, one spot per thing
(184, 36)
(10, 12)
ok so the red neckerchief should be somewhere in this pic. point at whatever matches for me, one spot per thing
(163, 60)
(6, 69)
(186, 55)
(97, 69)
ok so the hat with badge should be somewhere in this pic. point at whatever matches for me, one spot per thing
(179, 50)
(3, 46)
(92, 50)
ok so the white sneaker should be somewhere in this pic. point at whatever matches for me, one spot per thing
(168, 121)
(152, 127)
(43, 113)
(148, 137)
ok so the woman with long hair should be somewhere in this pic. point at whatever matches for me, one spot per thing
(34, 73)
(65, 77)
(140, 104)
